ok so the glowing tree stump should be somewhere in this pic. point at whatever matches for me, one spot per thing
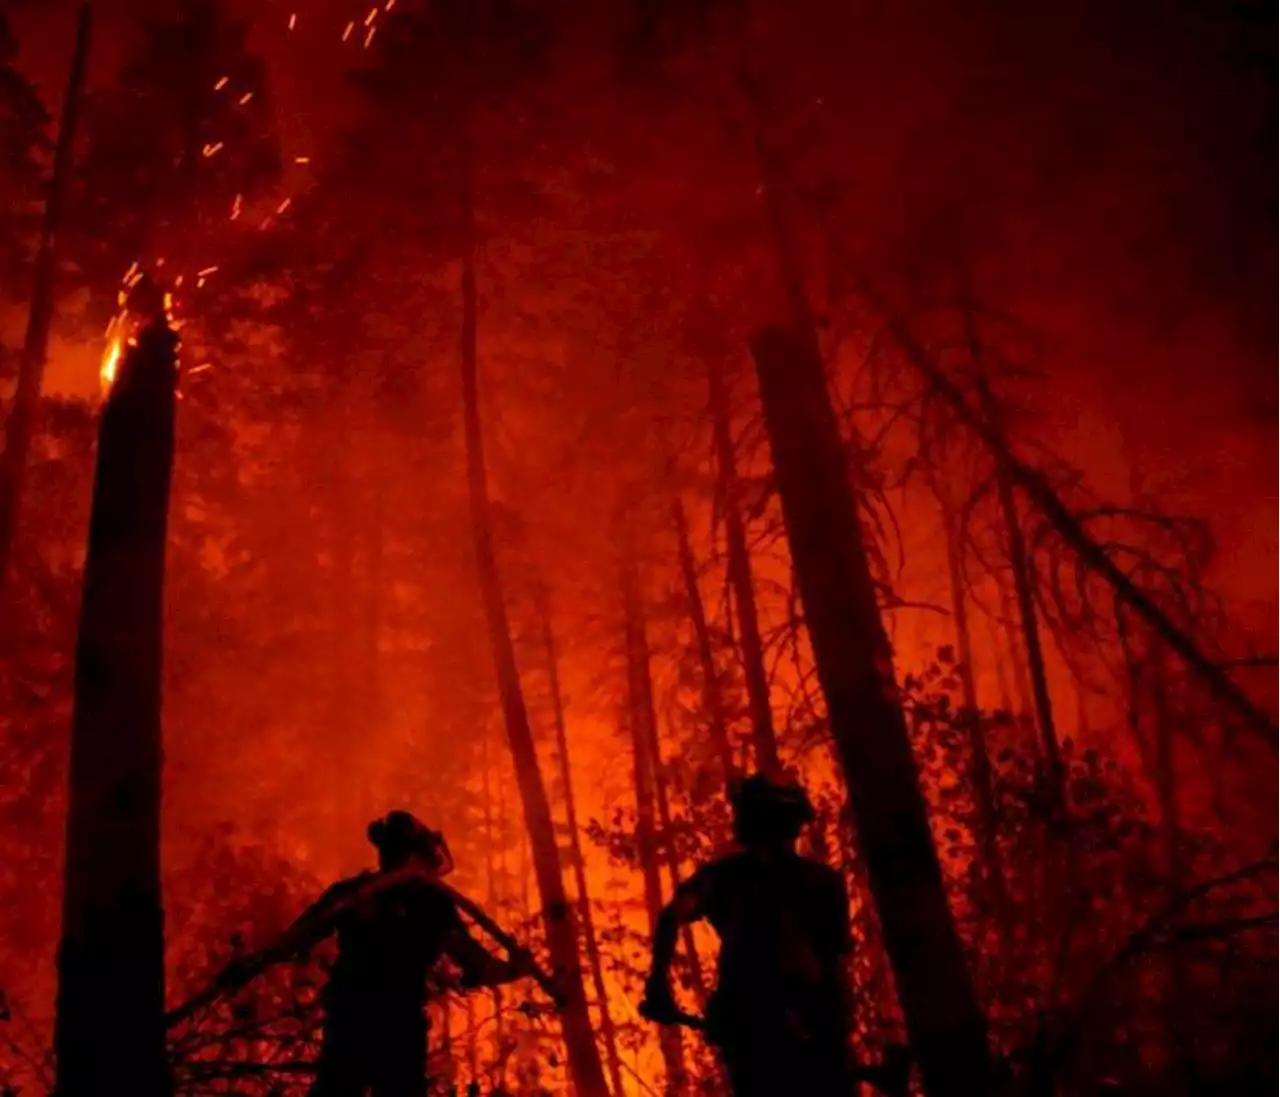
(110, 1027)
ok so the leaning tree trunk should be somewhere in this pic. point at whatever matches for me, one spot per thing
(855, 669)
(580, 1044)
(26, 398)
(763, 737)
(712, 699)
(607, 1030)
(110, 1034)
(639, 724)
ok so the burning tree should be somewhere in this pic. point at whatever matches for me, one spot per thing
(111, 962)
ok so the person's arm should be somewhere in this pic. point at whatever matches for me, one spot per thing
(479, 967)
(303, 934)
(689, 904)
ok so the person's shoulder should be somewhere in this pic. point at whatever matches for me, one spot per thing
(821, 875)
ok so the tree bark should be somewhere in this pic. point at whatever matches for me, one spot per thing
(980, 763)
(712, 699)
(854, 663)
(639, 723)
(110, 1033)
(584, 1058)
(763, 737)
(607, 1030)
(35, 346)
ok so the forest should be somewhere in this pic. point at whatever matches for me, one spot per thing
(539, 415)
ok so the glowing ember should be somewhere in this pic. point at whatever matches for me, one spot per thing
(111, 361)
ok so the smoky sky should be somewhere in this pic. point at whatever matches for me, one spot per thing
(1156, 119)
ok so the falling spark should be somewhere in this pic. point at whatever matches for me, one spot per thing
(350, 27)
(199, 283)
(302, 159)
(206, 272)
(222, 83)
(235, 206)
(368, 38)
(199, 369)
(266, 222)
(293, 20)
(283, 206)
(390, 4)
(373, 14)
(212, 150)
(177, 282)
(244, 99)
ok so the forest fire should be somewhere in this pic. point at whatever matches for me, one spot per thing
(702, 558)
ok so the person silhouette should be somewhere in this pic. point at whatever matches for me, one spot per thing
(780, 1014)
(393, 926)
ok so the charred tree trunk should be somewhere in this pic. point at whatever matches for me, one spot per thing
(35, 346)
(855, 668)
(583, 1056)
(110, 1034)
(1020, 566)
(712, 700)
(639, 723)
(1022, 680)
(980, 762)
(607, 1030)
(491, 885)
(763, 737)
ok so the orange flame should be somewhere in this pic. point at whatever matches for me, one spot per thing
(114, 352)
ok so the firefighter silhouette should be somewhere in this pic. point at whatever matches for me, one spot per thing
(780, 1013)
(393, 925)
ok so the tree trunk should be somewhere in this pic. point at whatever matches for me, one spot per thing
(763, 737)
(985, 815)
(491, 883)
(712, 700)
(855, 668)
(1020, 566)
(110, 1033)
(607, 1029)
(639, 723)
(583, 1056)
(35, 346)
(1022, 680)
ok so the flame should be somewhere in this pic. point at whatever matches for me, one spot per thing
(112, 361)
